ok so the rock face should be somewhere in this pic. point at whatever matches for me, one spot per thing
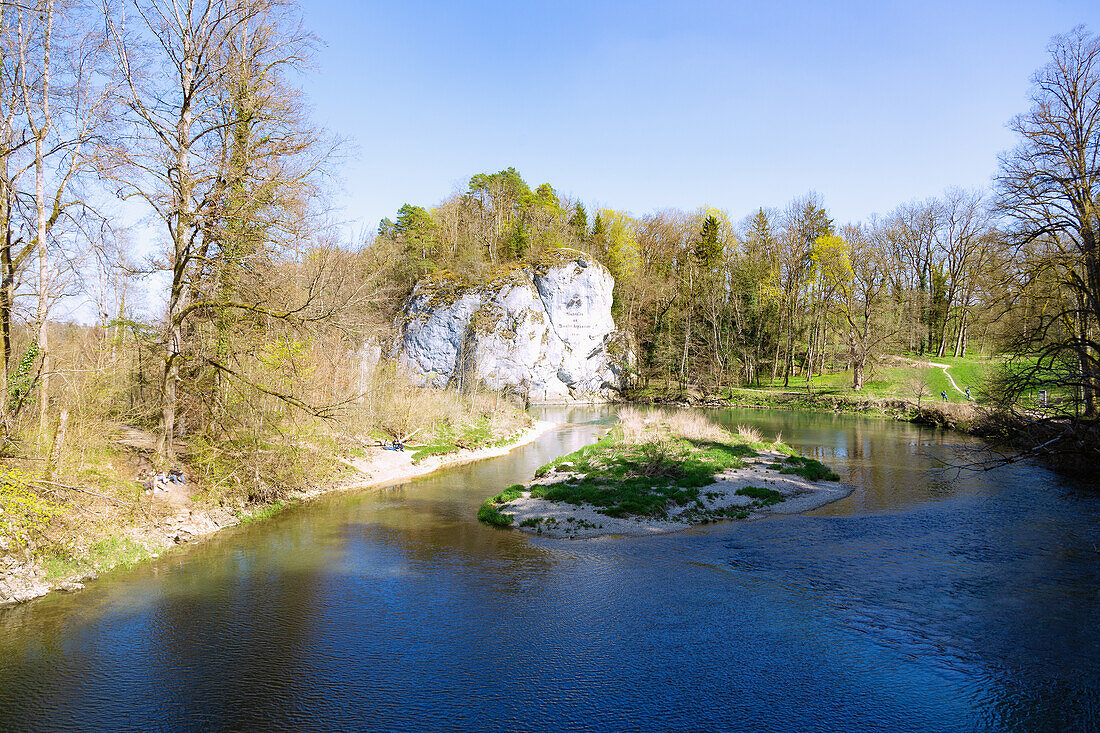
(542, 331)
(20, 582)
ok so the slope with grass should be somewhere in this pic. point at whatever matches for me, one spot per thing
(898, 378)
(662, 472)
(902, 387)
(55, 535)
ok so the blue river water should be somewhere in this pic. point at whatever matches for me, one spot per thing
(931, 599)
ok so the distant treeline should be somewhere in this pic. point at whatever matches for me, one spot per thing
(194, 111)
(781, 294)
(786, 294)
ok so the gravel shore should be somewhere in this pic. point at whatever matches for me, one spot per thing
(559, 519)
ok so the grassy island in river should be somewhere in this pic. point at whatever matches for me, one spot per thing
(661, 472)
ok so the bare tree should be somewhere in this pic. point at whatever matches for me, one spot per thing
(220, 150)
(56, 103)
(863, 301)
(1049, 189)
(961, 241)
(911, 236)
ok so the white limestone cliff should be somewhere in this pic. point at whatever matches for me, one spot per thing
(542, 331)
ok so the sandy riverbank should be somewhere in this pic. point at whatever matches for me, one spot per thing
(382, 467)
(560, 519)
(178, 520)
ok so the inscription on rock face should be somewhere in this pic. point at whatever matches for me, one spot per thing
(575, 318)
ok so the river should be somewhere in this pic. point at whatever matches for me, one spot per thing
(926, 600)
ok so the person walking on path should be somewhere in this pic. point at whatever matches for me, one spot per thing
(968, 393)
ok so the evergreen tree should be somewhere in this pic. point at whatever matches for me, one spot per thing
(708, 248)
(579, 222)
(599, 232)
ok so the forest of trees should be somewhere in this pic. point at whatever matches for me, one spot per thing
(782, 294)
(178, 123)
(185, 119)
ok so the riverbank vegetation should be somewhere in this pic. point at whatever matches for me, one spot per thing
(999, 286)
(673, 467)
(234, 359)
(243, 348)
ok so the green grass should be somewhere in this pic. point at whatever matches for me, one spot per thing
(898, 382)
(475, 437)
(428, 451)
(649, 469)
(267, 511)
(808, 468)
(514, 491)
(489, 514)
(642, 480)
(104, 555)
(767, 497)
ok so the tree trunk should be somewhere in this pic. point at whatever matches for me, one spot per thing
(961, 338)
(43, 291)
(778, 345)
(684, 357)
(41, 130)
(181, 243)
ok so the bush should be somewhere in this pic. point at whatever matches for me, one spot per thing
(489, 514)
(808, 468)
(515, 491)
(23, 513)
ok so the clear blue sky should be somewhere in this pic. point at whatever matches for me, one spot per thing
(644, 105)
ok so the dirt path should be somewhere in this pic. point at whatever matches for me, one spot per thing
(938, 365)
(144, 444)
(951, 379)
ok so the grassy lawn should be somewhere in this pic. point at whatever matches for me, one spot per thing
(898, 381)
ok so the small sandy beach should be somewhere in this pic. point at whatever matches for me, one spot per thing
(382, 467)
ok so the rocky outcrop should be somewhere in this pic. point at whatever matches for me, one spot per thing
(543, 331)
(20, 581)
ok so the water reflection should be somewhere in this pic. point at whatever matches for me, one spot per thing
(924, 601)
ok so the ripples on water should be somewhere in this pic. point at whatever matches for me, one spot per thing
(924, 601)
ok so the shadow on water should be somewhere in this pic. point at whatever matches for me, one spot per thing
(924, 601)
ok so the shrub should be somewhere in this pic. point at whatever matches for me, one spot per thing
(515, 491)
(808, 468)
(23, 513)
(489, 514)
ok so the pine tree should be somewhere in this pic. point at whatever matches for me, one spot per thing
(579, 222)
